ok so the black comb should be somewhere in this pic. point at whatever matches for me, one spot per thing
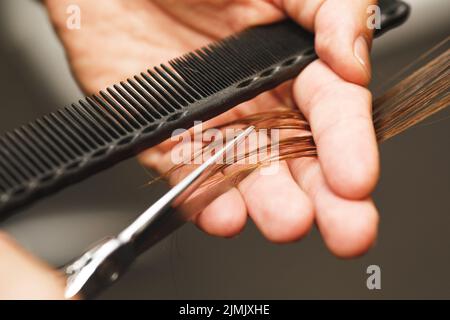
(77, 141)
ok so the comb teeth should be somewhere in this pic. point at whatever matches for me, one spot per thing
(221, 65)
(100, 130)
(97, 132)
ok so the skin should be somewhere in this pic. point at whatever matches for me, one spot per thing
(119, 38)
(23, 276)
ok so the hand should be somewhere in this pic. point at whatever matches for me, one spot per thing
(120, 38)
(22, 276)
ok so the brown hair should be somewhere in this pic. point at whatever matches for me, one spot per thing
(418, 96)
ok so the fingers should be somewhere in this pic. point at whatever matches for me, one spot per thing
(225, 216)
(22, 276)
(302, 11)
(342, 39)
(348, 227)
(279, 208)
(340, 117)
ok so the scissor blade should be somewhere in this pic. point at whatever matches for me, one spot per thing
(180, 191)
(99, 267)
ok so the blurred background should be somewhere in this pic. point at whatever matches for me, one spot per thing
(413, 196)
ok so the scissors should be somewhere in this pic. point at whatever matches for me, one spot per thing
(107, 261)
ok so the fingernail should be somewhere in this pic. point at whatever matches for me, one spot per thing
(361, 52)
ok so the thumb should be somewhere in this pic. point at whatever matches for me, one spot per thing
(342, 38)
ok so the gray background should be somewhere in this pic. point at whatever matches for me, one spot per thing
(413, 195)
